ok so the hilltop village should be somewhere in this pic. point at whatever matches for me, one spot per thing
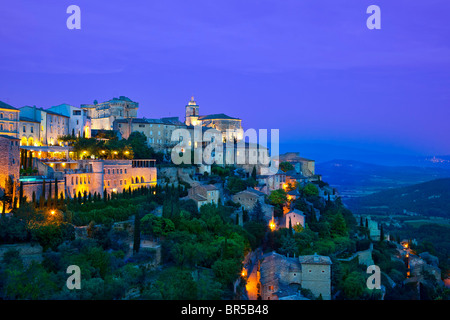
(95, 186)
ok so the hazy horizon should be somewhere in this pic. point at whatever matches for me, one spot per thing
(312, 70)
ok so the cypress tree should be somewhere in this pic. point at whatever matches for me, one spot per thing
(56, 189)
(41, 202)
(15, 203)
(137, 232)
(43, 189)
(50, 197)
(21, 192)
(254, 172)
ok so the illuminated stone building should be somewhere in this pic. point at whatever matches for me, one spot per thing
(157, 131)
(230, 127)
(104, 114)
(79, 122)
(9, 120)
(52, 124)
(282, 276)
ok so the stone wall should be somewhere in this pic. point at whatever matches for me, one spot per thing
(27, 251)
(316, 277)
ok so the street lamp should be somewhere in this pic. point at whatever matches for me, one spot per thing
(272, 225)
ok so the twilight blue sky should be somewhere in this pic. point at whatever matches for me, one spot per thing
(309, 68)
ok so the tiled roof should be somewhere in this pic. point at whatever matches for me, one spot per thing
(315, 259)
(8, 137)
(4, 105)
(210, 187)
(27, 119)
(217, 116)
(274, 264)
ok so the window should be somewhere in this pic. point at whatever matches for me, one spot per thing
(125, 182)
(72, 180)
(24, 128)
(109, 171)
(142, 126)
(120, 182)
(1, 115)
(113, 171)
(77, 112)
(125, 171)
(32, 129)
(121, 171)
(11, 128)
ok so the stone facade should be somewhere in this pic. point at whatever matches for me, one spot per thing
(79, 122)
(9, 120)
(29, 132)
(302, 165)
(52, 124)
(157, 131)
(281, 275)
(248, 198)
(9, 161)
(104, 114)
(230, 128)
(316, 275)
(296, 217)
(204, 194)
(273, 182)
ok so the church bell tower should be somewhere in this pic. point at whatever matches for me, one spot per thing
(191, 113)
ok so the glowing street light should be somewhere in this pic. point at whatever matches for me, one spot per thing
(272, 225)
(52, 212)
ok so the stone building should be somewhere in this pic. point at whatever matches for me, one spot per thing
(296, 217)
(29, 132)
(9, 160)
(157, 131)
(273, 182)
(9, 120)
(204, 194)
(305, 167)
(248, 199)
(316, 275)
(52, 124)
(104, 114)
(76, 177)
(281, 275)
(230, 128)
(79, 122)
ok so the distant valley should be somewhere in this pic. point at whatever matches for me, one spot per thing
(354, 178)
(431, 199)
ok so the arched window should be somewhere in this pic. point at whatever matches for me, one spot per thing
(142, 179)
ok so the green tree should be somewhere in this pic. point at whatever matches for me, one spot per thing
(286, 166)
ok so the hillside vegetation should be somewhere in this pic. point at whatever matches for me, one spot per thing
(430, 198)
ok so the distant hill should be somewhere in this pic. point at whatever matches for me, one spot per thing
(358, 178)
(430, 198)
